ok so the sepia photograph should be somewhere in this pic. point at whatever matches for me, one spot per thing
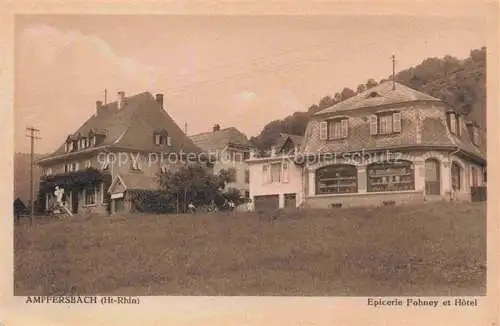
(250, 155)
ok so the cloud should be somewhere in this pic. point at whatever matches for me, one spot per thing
(61, 73)
(244, 96)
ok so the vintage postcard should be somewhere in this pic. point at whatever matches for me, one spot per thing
(248, 163)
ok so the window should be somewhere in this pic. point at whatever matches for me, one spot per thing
(90, 196)
(453, 123)
(336, 179)
(162, 138)
(47, 171)
(398, 176)
(474, 177)
(247, 176)
(70, 146)
(337, 128)
(475, 135)
(136, 164)
(247, 194)
(105, 165)
(246, 155)
(385, 123)
(455, 176)
(71, 167)
(83, 143)
(275, 172)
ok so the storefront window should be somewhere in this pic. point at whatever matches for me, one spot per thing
(336, 179)
(398, 176)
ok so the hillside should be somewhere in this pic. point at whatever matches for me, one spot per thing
(460, 83)
(22, 176)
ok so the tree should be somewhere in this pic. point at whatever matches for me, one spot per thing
(347, 93)
(194, 183)
(19, 208)
(337, 97)
(361, 88)
(326, 101)
(370, 83)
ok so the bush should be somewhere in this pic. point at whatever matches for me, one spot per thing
(151, 201)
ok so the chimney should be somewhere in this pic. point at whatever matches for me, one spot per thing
(216, 128)
(159, 99)
(120, 101)
(98, 106)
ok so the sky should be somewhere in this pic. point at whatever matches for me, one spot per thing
(241, 71)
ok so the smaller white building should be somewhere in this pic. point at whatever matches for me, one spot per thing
(275, 182)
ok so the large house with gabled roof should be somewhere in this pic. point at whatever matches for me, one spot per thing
(387, 145)
(230, 148)
(122, 147)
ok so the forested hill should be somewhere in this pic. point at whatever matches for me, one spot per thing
(460, 83)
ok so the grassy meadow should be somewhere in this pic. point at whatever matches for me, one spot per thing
(431, 249)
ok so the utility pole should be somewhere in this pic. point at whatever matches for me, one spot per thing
(393, 72)
(32, 133)
(105, 96)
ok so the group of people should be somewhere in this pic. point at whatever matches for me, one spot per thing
(213, 207)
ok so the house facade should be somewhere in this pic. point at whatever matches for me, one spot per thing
(230, 148)
(388, 145)
(123, 147)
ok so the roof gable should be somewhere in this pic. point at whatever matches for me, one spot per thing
(295, 140)
(382, 94)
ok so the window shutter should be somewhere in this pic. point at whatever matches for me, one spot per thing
(373, 124)
(459, 125)
(323, 130)
(285, 172)
(453, 123)
(157, 139)
(169, 141)
(77, 166)
(396, 125)
(265, 169)
(344, 126)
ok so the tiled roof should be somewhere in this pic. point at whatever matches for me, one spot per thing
(132, 127)
(218, 140)
(432, 130)
(382, 94)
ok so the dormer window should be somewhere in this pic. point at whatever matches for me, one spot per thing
(70, 146)
(332, 129)
(385, 123)
(373, 94)
(162, 138)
